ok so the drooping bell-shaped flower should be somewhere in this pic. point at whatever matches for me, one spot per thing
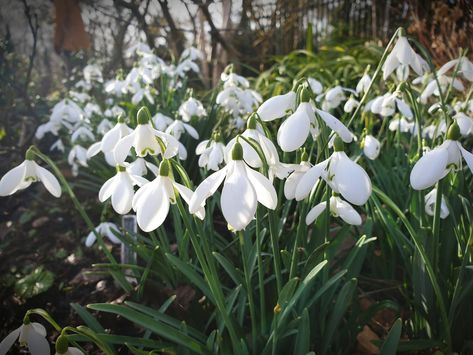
(146, 140)
(140, 167)
(77, 157)
(29, 334)
(152, 201)
(371, 147)
(343, 175)
(277, 106)
(363, 84)
(404, 57)
(106, 229)
(120, 189)
(350, 105)
(333, 98)
(437, 163)
(110, 140)
(161, 121)
(191, 108)
(315, 85)
(338, 208)
(25, 174)
(387, 104)
(242, 190)
(435, 87)
(465, 68)
(294, 131)
(465, 123)
(212, 153)
(402, 125)
(292, 181)
(430, 202)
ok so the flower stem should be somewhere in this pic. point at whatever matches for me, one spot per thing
(249, 290)
(262, 299)
(275, 248)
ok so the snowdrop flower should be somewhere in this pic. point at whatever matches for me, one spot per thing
(139, 48)
(465, 68)
(344, 177)
(82, 132)
(251, 156)
(176, 129)
(294, 178)
(104, 126)
(58, 145)
(434, 130)
(387, 104)
(141, 93)
(371, 147)
(338, 208)
(434, 88)
(151, 202)
(80, 96)
(116, 87)
(315, 86)
(66, 110)
(77, 156)
(211, 153)
(430, 201)
(51, 126)
(161, 121)
(92, 72)
(144, 139)
(191, 108)
(109, 141)
(277, 106)
(363, 84)
(242, 190)
(25, 174)
(106, 229)
(403, 56)
(333, 98)
(92, 109)
(402, 125)
(465, 123)
(140, 167)
(114, 111)
(350, 105)
(30, 334)
(437, 163)
(120, 189)
(232, 79)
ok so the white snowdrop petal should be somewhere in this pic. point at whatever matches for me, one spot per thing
(351, 180)
(90, 240)
(346, 212)
(186, 195)
(206, 189)
(429, 169)
(74, 351)
(294, 131)
(93, 150)
(122, 148)
(238, 200)
(122, 197)
(10, 181)
(390, 65)
(336, 125)
(110, 139)
(9, 340)
(467, 156)
(315, 212)
(191, 130)
(404, 109)
(276, 106)
(290, 185)
(107, 189)
(307, 182)
(49, 181)
(37, 343)
(152, 209)
(201, 147)
(265, 191)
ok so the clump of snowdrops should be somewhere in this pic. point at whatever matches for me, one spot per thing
(284, 211)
